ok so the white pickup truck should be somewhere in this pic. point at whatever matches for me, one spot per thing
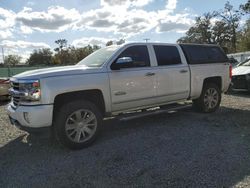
(74, 100)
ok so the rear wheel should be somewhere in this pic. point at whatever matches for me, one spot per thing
(210, 99)
(77, 124)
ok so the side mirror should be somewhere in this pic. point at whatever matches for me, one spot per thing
(123, 62)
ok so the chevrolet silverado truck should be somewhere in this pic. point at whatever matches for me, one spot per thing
(74, 100)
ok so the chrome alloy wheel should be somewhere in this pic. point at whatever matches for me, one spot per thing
(81, 125)
(211, 98)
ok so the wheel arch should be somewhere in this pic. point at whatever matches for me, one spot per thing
(215, 80)
(94, 95)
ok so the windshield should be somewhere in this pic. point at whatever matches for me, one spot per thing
(247, 63)
(99, 57)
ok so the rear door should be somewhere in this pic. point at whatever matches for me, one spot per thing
(172, 73)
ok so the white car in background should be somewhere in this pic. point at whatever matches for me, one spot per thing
(241, 76)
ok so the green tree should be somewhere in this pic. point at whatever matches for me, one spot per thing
(244, 34)
(109, 43)
(246, 7)
(220, 34)
(69, 55)
(66, 57)
(63, 55)
(121, 41)
(12, 60)
(81, 53)
(62, 43)
(231, 18)
(244, 38)
(200, 32)
(40, 57)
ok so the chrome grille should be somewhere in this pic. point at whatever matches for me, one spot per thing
(15, 99)
(15, 86)
(239, 82)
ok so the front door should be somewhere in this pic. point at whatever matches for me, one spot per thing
(133, 84)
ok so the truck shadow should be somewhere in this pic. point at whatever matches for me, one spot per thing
(183, 149)
(3, 102)
(245, 94)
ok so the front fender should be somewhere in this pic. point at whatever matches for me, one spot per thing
(53, 86)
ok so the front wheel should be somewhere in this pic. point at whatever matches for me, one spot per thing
(77, 124)
(210, 99)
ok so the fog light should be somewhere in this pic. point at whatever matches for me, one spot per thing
(26, 117)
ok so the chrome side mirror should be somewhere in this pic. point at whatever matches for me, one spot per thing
(122, 62)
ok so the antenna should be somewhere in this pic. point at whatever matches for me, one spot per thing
(146, 39)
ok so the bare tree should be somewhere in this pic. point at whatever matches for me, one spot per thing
(12, 60)
(62, 43)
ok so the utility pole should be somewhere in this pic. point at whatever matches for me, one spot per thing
(4, 62)
(146, 39)
(3, 55)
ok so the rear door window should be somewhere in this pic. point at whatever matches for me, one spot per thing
(167, 55)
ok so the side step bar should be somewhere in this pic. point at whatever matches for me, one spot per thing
(153, 111)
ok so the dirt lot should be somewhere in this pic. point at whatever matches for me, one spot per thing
(182, 149)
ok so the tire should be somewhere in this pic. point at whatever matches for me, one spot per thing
(77, 124)
(209, 100)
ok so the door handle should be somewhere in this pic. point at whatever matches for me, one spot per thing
(120, 93)
(150, 74)
(183, 71)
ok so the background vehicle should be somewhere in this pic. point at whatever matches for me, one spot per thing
(115, 80)
(4, 88)
(241, 76)
(243, 61)
(233, 61)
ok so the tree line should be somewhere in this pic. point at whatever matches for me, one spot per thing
(222, 28)
(64, 54)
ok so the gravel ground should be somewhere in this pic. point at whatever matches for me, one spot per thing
(182, 149)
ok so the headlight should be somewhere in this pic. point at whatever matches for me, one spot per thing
(31, 90)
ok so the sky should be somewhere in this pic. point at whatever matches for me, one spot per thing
(26, 25)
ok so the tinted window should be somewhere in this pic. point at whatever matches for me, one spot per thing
(167, 55)
(199, 54)
(139, 55)
(214, 54)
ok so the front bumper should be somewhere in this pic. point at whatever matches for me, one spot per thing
(31, 117)
(241, 82)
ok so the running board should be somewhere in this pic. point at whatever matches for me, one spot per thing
(153, 111)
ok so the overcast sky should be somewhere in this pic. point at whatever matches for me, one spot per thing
(27, 25)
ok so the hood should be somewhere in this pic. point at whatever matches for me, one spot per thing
(241, 70)
(55, 71)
